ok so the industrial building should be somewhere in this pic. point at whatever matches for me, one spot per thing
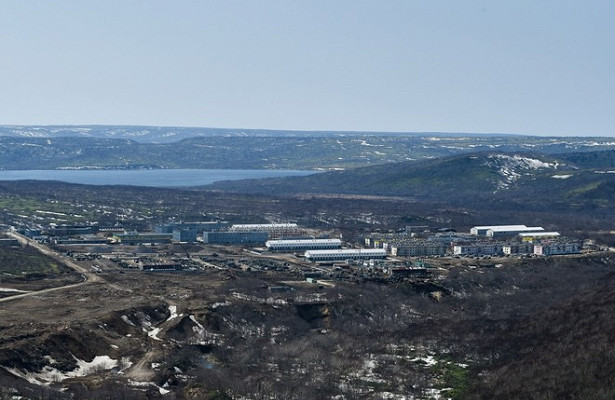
(235, 237)
(81, 242)
(274, 230)
(160, 267)
(199, 226)
(508, 231)
(139, 238)
(184, 235)
(70, 230)
(538, 236)
(303, 244)
(345, 254)
(482, 230)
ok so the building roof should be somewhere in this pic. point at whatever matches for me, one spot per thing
(303, 241)
(503, 227)
(534, 234)
(515, 228)
(263, 226)
(345, 251)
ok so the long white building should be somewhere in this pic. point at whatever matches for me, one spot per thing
(345, 254)
(274, 230)
(507, 231)
(532, 236)
(550, 249)
(482, 230)
(303, 244)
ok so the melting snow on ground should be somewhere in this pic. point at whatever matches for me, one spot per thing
(49, 374)
(173, 312)
(148, 384)
(561, 176)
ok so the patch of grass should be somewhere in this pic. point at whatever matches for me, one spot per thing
(453, 378)
(27, 263)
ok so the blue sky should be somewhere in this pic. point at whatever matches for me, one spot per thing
(523, 66)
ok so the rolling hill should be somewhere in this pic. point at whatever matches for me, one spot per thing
(537, 181)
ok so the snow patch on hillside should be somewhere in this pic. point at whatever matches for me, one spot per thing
(511, 168)
(49, 374)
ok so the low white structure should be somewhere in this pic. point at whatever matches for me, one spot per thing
(532, 236)
(303, 244)
(274, 230)
(345, 254)
(482, 230)
(261, 227)
(510, 231)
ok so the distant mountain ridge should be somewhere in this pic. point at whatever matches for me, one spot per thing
(122, 147)
(168, 134)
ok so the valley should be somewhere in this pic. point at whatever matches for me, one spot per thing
(122, 292)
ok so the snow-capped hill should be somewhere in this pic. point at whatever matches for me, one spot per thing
(512, 167)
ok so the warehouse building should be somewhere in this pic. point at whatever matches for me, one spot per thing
(345, 254)
(538, 236)
(199, 226)
(235, 237)
(274, 230)
(184, 235)
(482, 230)
(140, 238)
(507, 231)
(303, 244)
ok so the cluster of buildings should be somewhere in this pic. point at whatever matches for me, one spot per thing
(482, 240)
(289, 237)
(211, 232)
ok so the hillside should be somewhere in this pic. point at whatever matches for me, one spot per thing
(482, 172)
(564, 352)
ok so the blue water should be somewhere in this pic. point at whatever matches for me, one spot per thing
(155, 178)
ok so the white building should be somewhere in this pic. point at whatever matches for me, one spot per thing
(303, 244)
(510, 231)
(274, 230)
(345, 254)
(477, 248)
(482, 230)
(532, 236)
(518, 248)
(555, 248)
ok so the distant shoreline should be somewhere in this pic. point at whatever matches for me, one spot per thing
(147, 177)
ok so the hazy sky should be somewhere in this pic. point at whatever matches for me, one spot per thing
(515, 66)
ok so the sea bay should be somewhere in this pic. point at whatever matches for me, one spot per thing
(148, 177)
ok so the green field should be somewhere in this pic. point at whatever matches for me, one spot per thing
(26, 264)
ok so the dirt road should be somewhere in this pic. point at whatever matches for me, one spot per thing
(88, 276)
